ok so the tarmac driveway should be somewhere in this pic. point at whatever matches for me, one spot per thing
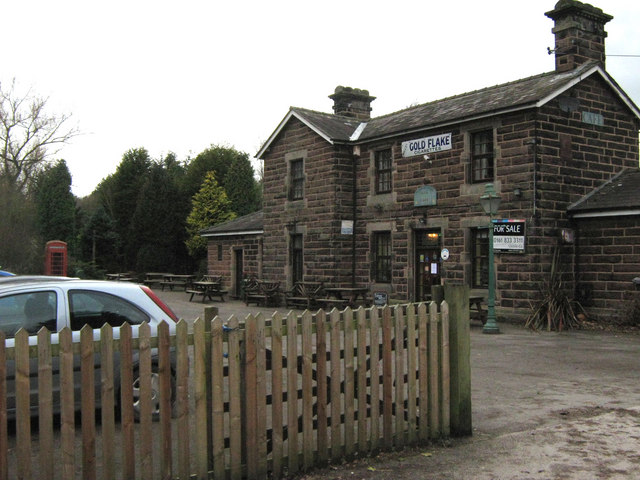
(545, 406)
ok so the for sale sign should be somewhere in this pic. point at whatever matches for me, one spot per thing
(509, 234)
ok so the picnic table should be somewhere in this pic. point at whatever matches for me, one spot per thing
(154, 278)
(208, 287)
(171, 280)
(477, 310)
(120, 277)
(476, 301)
(344, 296)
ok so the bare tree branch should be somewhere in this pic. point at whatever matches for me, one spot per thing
(29, 136)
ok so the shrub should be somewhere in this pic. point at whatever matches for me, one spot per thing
(556, 309)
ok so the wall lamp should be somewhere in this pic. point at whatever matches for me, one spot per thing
(517, 192)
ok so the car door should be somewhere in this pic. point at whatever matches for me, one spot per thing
(96, 309)
(31, 311)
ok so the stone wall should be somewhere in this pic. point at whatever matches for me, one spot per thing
(608, 260)
(225, 265)
(553, 156)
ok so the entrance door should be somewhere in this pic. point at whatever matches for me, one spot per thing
(239, 271)
(427, 262)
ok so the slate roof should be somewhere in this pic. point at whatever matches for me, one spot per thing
(517, 95)
(618, 196)
(245, 225)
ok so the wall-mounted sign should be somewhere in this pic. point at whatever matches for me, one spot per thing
(567, 235)
(593, 118)
(347, 227)
(420, 146)
(380, 299)
(444, 254)
(425, 196)
(509, 234)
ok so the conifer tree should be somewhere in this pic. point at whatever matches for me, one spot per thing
(210, 206)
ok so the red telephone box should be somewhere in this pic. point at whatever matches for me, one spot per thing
(55, 262)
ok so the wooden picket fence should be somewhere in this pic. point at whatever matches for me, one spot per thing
(251, 398)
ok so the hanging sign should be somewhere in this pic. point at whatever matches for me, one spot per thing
(509, 234)
(420, 146)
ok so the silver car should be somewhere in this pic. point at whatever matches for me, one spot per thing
(34, 302)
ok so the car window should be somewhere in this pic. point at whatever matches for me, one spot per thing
(30, 311)
(89, 307)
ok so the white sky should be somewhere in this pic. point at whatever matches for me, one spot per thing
(180, 76)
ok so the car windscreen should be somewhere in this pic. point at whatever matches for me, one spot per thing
(94, 308)
(30, 311)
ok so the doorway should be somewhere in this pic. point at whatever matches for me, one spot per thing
(239, 276)
(428, 265)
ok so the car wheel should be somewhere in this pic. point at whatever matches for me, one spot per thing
(155, 393)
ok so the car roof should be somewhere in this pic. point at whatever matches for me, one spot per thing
(26, 279)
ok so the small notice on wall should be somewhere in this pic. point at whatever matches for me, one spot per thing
(380, 298)
(346, 227)
(425, 196)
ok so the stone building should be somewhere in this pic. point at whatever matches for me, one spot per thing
(355, 200)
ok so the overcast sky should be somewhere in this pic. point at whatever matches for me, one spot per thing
(181, 76)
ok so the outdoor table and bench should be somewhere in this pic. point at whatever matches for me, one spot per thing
(171, 280)
(476, 312)
(262, 292)
(344, 296)
(154, 278)
(303, 295)
(120, 277)
(208, 287)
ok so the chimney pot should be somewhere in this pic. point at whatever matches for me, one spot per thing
(352, 102)
(579, 34)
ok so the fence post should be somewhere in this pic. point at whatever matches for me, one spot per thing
(209, 314)
(457, 297)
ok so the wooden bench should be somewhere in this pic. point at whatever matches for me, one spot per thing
(339, 303)
(262, 292)
(251, 291)
(303, 294)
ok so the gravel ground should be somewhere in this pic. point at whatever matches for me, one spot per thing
(545, 406)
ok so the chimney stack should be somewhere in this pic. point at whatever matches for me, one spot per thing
(352, 102)
(579, 31)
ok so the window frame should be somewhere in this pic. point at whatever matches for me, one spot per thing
(383, 172)
(16, 312)
(382, 256)
(296, 179)
(482, 159)
(102, 317)
(480, 257)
